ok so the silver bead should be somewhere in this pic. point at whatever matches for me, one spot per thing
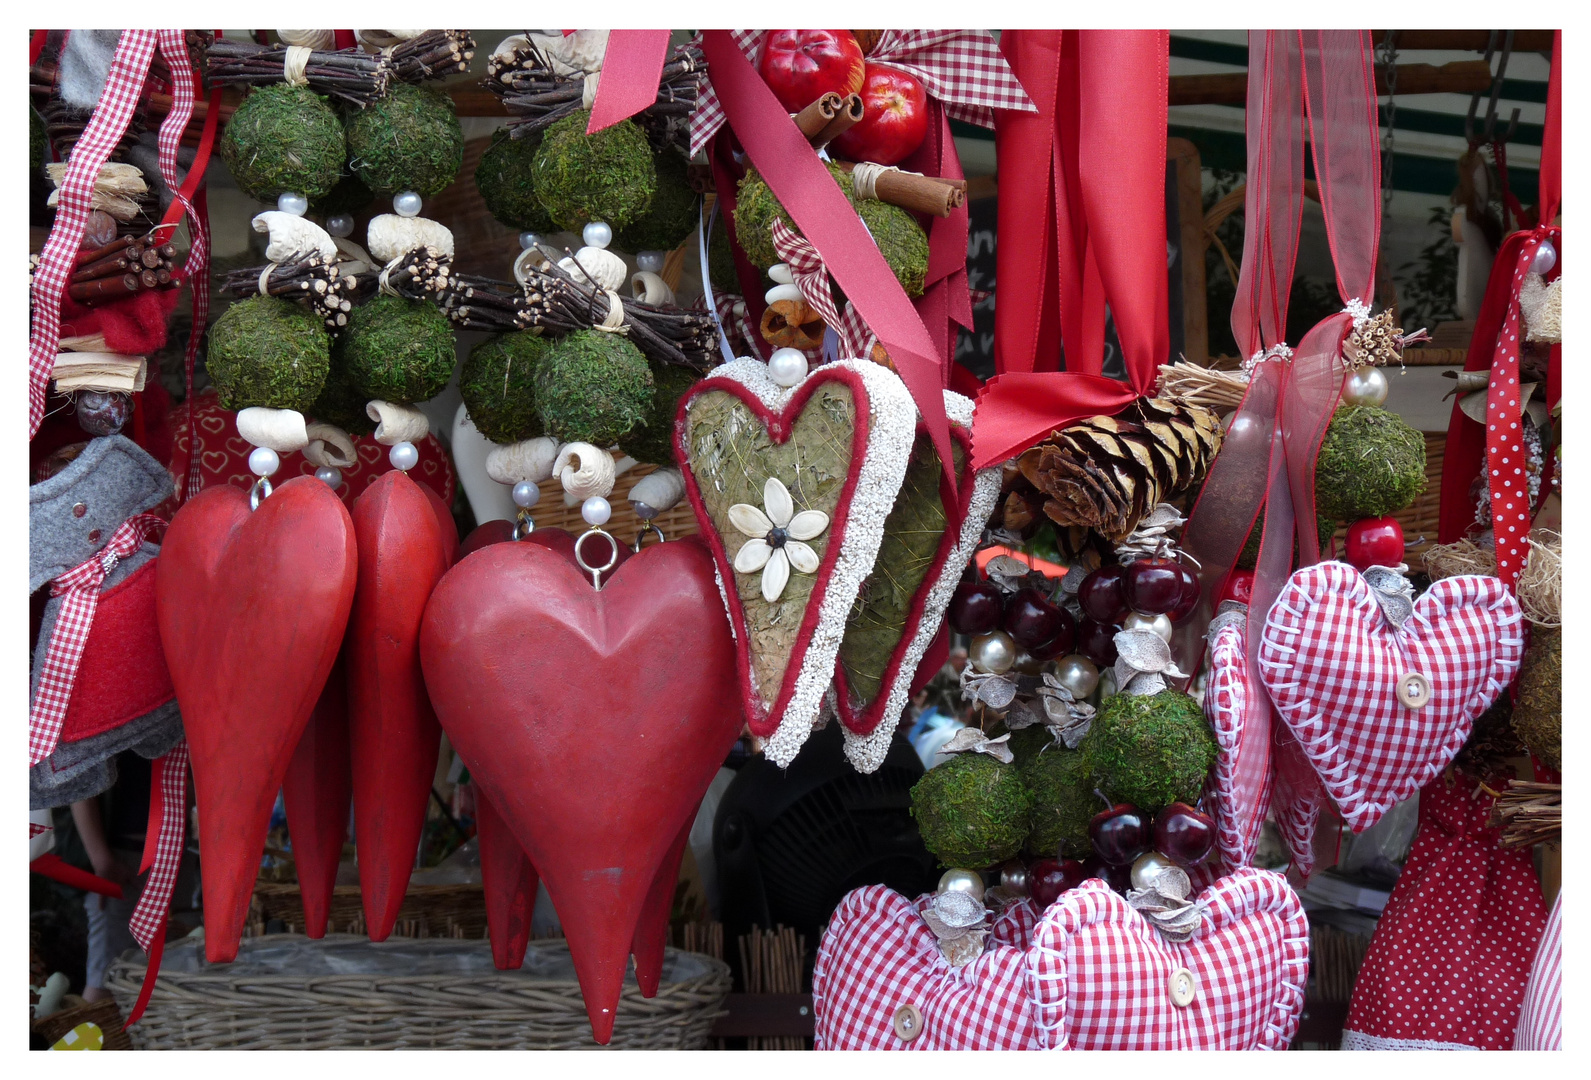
(291, 202)
(1147, 867)
(643, 511)
(528, 240)
(650, 261)
(1365, 386)
(1158, 624)
(967, 881)
(992, 653)
(329, 475)
(596, 510)
(1545, 258)
(406, 204)
(787, 366)
(404, 456)
(1014, 877)
(598, 234)
(526, 494)
(263, 461)
(340, 225)
(1078, 674)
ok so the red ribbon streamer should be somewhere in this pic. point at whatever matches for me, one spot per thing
(631, 69)
(53, 867)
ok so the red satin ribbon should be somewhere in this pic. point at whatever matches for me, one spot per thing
(631, 68)
(815, 203)
(946, 302)
(55, 868)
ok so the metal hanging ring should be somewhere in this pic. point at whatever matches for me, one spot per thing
(259, 492)
(523, 525)
(647, 527)
(596, 572)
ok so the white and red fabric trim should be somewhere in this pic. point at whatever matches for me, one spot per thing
(1226, 695)
(171, 794)
(1541, 1014)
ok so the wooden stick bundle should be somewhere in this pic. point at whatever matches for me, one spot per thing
(773, 962)
(1528, 813)
(308, 278)
(350, 74)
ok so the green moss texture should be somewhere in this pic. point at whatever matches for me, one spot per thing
(269, 352)
(609, 176)
(972, 811)
(398, 350)
(284, 138)
(1371, 464)
(409, 140)
(593, 387)
(498, 384)
(1150, 750)
(506, 180)
(671, 217)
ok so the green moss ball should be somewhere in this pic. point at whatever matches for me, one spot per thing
(37, 141)
(972, 811)
(340, 402)
(900, 239)
(1150, 750)
(721, 262)
(398, 350)
(350, 195)
(1063, 801)
(609, 176)
(671, 217)
(1371, 464)
(653, 441)
(1249, 556)
(284, 138)
(268, 351)
(507, 186)
(498, 383)
(593, 387)
(1538, 714)
(409, 140)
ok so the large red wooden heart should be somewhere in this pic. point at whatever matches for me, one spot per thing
(252, 608)
(1334, 666)
(508, 880)
(316, 795)
(594, 721)
(651, 930)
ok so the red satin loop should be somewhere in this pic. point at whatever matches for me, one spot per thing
(631, 68)
(946, 302)
(1345, 133)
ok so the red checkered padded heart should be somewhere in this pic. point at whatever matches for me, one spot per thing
(1104, 979)
(1333, 664)
(1226, 696)
(878, 956)
(1013, 925)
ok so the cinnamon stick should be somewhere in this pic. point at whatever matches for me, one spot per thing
(97, 254)
(113, 264)
(848, 116)
(150, 258)
(817, 115)
(915, 192)
(104, 290)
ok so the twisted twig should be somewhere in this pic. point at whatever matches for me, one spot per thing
(350, 74)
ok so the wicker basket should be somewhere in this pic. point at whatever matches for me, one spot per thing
(446, 911)
(104, 1013)
(343, 992)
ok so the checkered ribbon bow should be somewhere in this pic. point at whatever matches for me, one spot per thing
(80, 588)
(812, 278)
(962, 68)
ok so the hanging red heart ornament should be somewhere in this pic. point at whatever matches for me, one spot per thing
(316, 795)
(651, 932)
(508, 881)
(252, 609)
(593, 721)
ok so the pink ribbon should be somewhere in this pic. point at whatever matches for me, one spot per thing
(631, 68)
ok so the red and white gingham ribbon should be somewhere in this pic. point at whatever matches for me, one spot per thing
(812, 278)
(168, 810)
(80, 586)
(104, 131)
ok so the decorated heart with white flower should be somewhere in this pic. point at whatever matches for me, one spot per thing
(929, 537)
(791, 487)
(1379, 709)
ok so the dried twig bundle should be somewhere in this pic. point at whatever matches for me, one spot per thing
(1528, 813)
(311, 279)
(350, 74)
(1191, 384)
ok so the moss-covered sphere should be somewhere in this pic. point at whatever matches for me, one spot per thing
(1150, 750)
(1538, 714)
(397, 350)
(1324, 527)
(671, 217)
(609, 176)
(270, 352)
(1371, 464)
(408, 140)
(593, 387)
(900, 239)
(284, 138)
(507, 183)
(341, 403)
(498, 384)
(652, 441)
(721, 262)
(972, 811)
(1063, 800)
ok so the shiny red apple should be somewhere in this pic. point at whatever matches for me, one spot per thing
(1049, 878)
(1120, 834)
(801, 66)
(1100, 594)
(894, 118)
(975, 607)
(1239, 586)
(1190, 597)
(1183, 834)
(1062, 643)
(1153, 586)
(1097, 641)
(1375, 542)
(1033, 620)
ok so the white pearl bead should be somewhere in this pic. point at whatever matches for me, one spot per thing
(650, 261)
(526, 494)
(596, 510)
(528, 240)
(1078, 674)
(643, 511)
(329, 475)
(787, 366)
(598, 234)
(967, 881)
(992, 653)
(1365, 386)
(406, 204)
(291, 202)
(1545, 258)
(340, 225)
(1147, 867)
(1157, 624)
(404, 456)
(263, 461)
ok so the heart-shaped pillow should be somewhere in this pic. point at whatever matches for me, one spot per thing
(1226, 698)
(792, 486)
(1340, 675)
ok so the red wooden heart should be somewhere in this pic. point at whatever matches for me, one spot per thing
(402, 555)
(651, 932)
(252, 608)
(594, 722)
(508, 879)
(316, 794)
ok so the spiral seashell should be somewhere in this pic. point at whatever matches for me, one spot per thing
(329, 445)
(397, 423)
(648, 288)
(529, 459)
(585, 470)
(661, 489)
(293, 235)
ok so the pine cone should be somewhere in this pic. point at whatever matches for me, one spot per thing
(1106, 472)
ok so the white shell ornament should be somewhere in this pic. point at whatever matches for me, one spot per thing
(530, 459)
(280, 429)
(391, 236)
(596, 266)
(292, 235)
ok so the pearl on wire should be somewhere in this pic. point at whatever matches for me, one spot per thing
(404, 456)
(1078, 674)
(528, 240)
(406, 204)
(340, 225)
(526, 494)
(1156, 624)
(598, 234)
(967, 881)
(650, 261)
(992, 653)
(263, 461)
(787, 366)
(1545, 258)
(329, 475)
(1365, 386)
(291, 202)
(596, 510)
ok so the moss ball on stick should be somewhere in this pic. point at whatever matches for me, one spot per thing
(284, 138)
(498, 384)
(609, 176)
(972, 811)
(398, 350)
(593, 387)
(269, 352)
(672, 215)
(408, 140)
(1150, 750)
(1063, 800)
(506, 180)
(652, 441)
(1371, 464)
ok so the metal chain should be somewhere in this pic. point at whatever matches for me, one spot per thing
(1388, 63)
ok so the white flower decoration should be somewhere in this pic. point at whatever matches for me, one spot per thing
(776, 538)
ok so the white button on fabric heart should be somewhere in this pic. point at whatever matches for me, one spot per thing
(1183, 988)
(1414, 690)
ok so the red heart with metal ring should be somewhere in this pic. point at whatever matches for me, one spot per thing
(252, 609)
(594, 722)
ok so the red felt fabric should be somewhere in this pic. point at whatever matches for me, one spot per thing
(123, 672)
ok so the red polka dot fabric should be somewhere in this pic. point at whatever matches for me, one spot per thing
(1447, 967)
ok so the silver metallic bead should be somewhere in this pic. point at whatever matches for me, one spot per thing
(1078, 674)
(992, 653)
(967, 881)
(329, 475)
(291, 202)
(1365, 386)
(643, 511)
(406, 204)
(528, 240)
(1014, 877)
(650, 261)
(404, 456)
(1545, 258)
(1147, 867)
(263, 461)
(596, 510)
(787, 366)
(598, 234)
(340, 225)
(1159, 624)
(526, 494)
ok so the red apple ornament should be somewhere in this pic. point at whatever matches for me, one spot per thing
(894, 118)
(1153, 586)
(1100, 595)
(975, 607)
(1033, 621)
(1375, 542)
(1049, 878)
(1120, 834)
(1183, 834)
(1239, 587)
(801, 66)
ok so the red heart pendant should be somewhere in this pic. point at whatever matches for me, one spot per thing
(252, 608)
(509, 882)
(651, 933)
(316, 793)
(594, 722)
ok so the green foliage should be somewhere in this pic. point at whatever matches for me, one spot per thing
(1371, 464)
(498, 384)
(507, 185)
(652, 441)
(972, 811)
(609, 176)
(671, 217)
(408, 140)
(284, 138)
(593, 387)
(270, 352)
(398, 350)
(1150, 750)
(1063, 799)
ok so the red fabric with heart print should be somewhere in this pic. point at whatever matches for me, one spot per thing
(1332, 664)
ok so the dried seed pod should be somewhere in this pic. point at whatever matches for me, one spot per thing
(791, 324)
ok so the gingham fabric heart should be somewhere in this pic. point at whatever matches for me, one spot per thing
(1334, 666)
(1104, 979)
(1226, 695)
